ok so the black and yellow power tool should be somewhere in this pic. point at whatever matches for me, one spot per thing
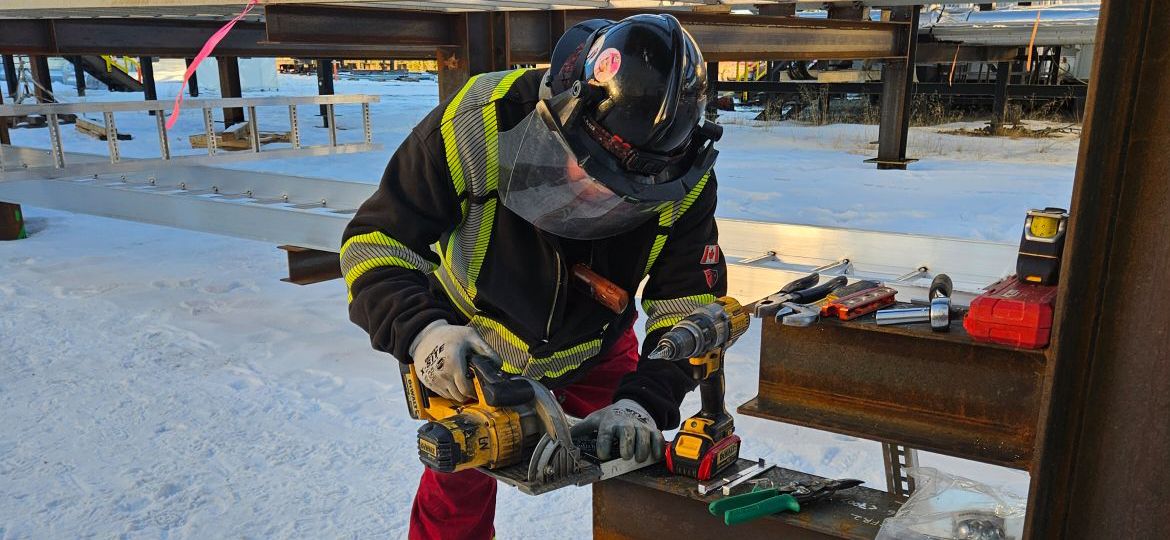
(514, 430)
(491, 432)
(706, 443)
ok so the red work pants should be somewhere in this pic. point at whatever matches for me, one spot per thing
(462, 506)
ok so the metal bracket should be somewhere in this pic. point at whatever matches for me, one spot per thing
(897, 458)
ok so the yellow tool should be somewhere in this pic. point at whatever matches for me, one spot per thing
(491, 432)
(706, 442)
(514, 431)
(1041, 246)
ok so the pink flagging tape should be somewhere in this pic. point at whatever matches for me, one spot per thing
(203, 54)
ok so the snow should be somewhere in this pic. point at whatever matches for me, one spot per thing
(163, 383)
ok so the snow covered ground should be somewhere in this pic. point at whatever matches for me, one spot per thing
(163, 383)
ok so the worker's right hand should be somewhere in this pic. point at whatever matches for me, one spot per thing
(441, 352)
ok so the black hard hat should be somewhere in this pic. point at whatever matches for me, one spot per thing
(617, 133)
(563, 68)
(652, 74)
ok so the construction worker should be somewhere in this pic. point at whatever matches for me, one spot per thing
(467, 245)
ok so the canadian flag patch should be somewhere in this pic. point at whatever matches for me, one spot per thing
(712, 276)
(710, 254)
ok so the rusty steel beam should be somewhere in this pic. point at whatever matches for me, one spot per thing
(531, 35)
(939, 392)
(399, 33)
(726, 37)
(172, 38)
(945, 53)
(1108, 430)
(653, 504)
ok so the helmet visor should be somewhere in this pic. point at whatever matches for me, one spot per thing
(545, 183)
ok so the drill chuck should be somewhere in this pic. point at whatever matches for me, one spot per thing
(707, 328)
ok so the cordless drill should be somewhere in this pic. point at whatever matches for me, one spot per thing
(706, 443)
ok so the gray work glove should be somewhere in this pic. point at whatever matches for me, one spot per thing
(629, 424)
(441, 352)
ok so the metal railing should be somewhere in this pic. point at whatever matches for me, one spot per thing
(61, 169)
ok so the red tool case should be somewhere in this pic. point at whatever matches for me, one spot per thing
(1012, 313)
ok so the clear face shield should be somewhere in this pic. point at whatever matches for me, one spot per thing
(578, 194)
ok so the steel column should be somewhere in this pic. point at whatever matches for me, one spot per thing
(898, 82)
(79, 75)
(1003, 74)
(43, 83)
(10, 75)
(149, 90)
(4, 138)
(1054, 64)
(472, 53)
(325, 85)
(193, 82)
(712, 112)
(1108, 433)
(229, 87)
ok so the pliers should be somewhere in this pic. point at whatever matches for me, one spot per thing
(748, 506)
(801, 291)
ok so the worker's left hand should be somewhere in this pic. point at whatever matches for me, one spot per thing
(630, 425)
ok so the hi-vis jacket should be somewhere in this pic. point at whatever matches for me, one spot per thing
(434, 242)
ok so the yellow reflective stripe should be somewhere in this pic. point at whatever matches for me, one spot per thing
(506, 83)
(364, 252)
(668, 312)
(482, 237)
(503, 331)
(457, 296)
(584, 351)
(693, 195)
(447, 128)
(513, 351)
(668, 213)
(663, 322)
(655, 250)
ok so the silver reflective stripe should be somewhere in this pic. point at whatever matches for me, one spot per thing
(667, 313)
(470, 137)
(364, 248)
(513, 351)
(364, 252)
(455, 291)
(474, 127)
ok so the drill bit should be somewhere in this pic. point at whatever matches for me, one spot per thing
(664, 351)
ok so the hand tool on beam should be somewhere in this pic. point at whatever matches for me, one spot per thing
(754, 470)
(801, 291)
(791, 497)
(938, 314)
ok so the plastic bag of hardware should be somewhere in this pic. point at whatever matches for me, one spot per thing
(949, 507)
